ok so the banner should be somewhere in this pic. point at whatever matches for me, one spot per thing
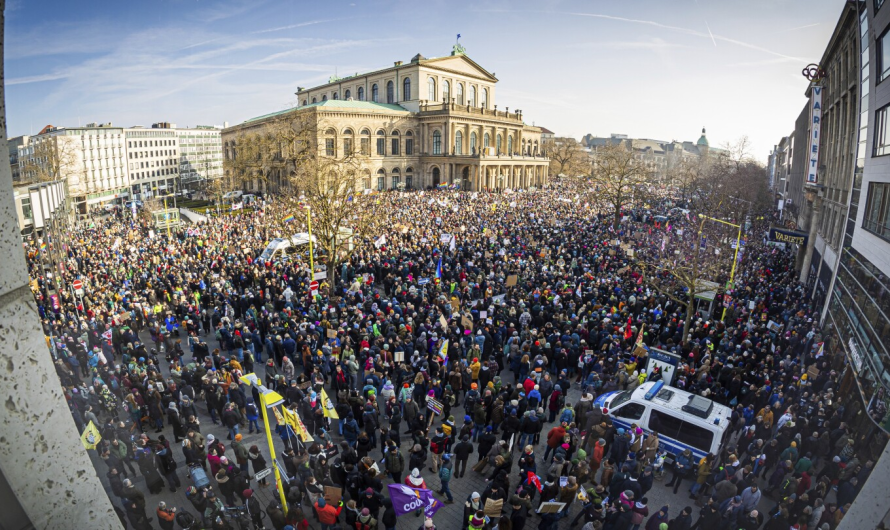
(783, 235)
(406, 500)
(815, 133)
(90, 437)
(327, 407)
(293, 419)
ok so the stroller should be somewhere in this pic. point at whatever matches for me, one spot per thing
(661, 458)
(198, 476)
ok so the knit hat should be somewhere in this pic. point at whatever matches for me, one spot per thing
(365, 516)
(321, 502)
(476, 520)
(369, 491)
(415, 477)
(248, 493)
(238, 437)
(428, 523)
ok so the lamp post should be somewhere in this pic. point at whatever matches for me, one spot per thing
(269, 398)
(735, 255)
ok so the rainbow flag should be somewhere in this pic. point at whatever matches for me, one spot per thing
(43, 246)
(289, 218)
(442, 187)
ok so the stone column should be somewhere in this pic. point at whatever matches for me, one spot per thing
(815, 220)
(870, 506)
(47, 479)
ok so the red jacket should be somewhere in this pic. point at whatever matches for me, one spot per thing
(555, 436)
(327, 514)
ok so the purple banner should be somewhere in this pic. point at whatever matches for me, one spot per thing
(406, 500)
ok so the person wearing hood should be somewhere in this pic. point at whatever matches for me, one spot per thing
(682, 521)
(328, 515)
(709, 517)
(659, 517)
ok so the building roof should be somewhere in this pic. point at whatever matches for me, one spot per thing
(545, 130)
(336, 103)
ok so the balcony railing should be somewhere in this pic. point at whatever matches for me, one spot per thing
(471, 110)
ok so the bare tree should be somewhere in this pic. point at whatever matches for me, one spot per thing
(52, 158)
(619, 179)
(567, 157)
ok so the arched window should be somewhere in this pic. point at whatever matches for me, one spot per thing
(484, 98)
(472, 101)
(347, 94)
(406, 89)
(361, 93)
(473, 143)
(499, 144)
(374, 94)
(367, 179)
(395, 178)
(366, 147)
(446, 91)
(313, 100)
(381, 180)
(390, 92)
(324, 97)
(460, 93)
(458, 143)
(305, 102)
(409, 143)
(409, 178)
(431, 87)
(437, 143)
(348, 142)
(510, 144)
(381, 143)
(336, 95)
(486, 140)
(395, 143)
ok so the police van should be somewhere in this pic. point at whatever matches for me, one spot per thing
(681, 419)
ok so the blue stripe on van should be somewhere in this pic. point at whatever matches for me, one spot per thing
(672, 446)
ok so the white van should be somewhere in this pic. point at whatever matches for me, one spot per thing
(681, 419)
(286, 246)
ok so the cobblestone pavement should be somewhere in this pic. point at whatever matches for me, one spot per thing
(449, 517)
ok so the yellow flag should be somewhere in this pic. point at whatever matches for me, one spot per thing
(293, 419)
(90, 437)
(327, 407)
(278, 417)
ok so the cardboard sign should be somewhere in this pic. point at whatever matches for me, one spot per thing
(335, 352)
(483, 315)
(332, 333)
(443, 322)
(399, 356)
(511, 280)
(466, 322)
(455, 305)
(493, 508)
(332, 495)
(551, 507)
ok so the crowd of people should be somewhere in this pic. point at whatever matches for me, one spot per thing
(496, 306)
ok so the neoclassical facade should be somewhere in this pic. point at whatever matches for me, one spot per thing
(418, 124)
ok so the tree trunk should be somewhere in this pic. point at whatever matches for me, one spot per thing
(690, 310)
(617, 222)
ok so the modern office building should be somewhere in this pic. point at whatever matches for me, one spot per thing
(200, 155)
(423, 123)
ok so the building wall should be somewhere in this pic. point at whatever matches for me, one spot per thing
(200, 155)
(152, 161)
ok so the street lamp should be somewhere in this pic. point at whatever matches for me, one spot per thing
(735, 255)
(268, 398)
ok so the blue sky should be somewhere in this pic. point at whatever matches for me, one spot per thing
(646, 68)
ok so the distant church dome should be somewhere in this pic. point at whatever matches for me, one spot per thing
(703, 141)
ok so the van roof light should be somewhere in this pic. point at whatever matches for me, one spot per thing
(654, 390)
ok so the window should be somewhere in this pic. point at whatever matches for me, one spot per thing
(368, 182)
(486, 140)
(395, 178)
(390, 93)
(381, 180)
(446, 91)
(431, 87)
(374, 93)
(460, 93)
(406, 89)
(876, 219)
(884, 56)
(381, 143)
(882, 133)
(347, 94)
(499, 144)
(484, 98)
(347, 146)
(409, 143)
(324, 97)
(361, 93)
(458, 142)
(437, 143)
(684, 432)
(336, 96)
(472, 100)
(395, 142)
(473, 143)
(878, 4)
(631, 411)
(313, 100)
(510, 144)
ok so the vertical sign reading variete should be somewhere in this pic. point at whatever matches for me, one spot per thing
(815, 129)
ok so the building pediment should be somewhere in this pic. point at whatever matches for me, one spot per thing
(459, 64)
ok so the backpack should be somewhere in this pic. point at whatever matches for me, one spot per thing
(252, 410)
(561, 400)
(434, 447)
(445, 474)
(566, 416)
